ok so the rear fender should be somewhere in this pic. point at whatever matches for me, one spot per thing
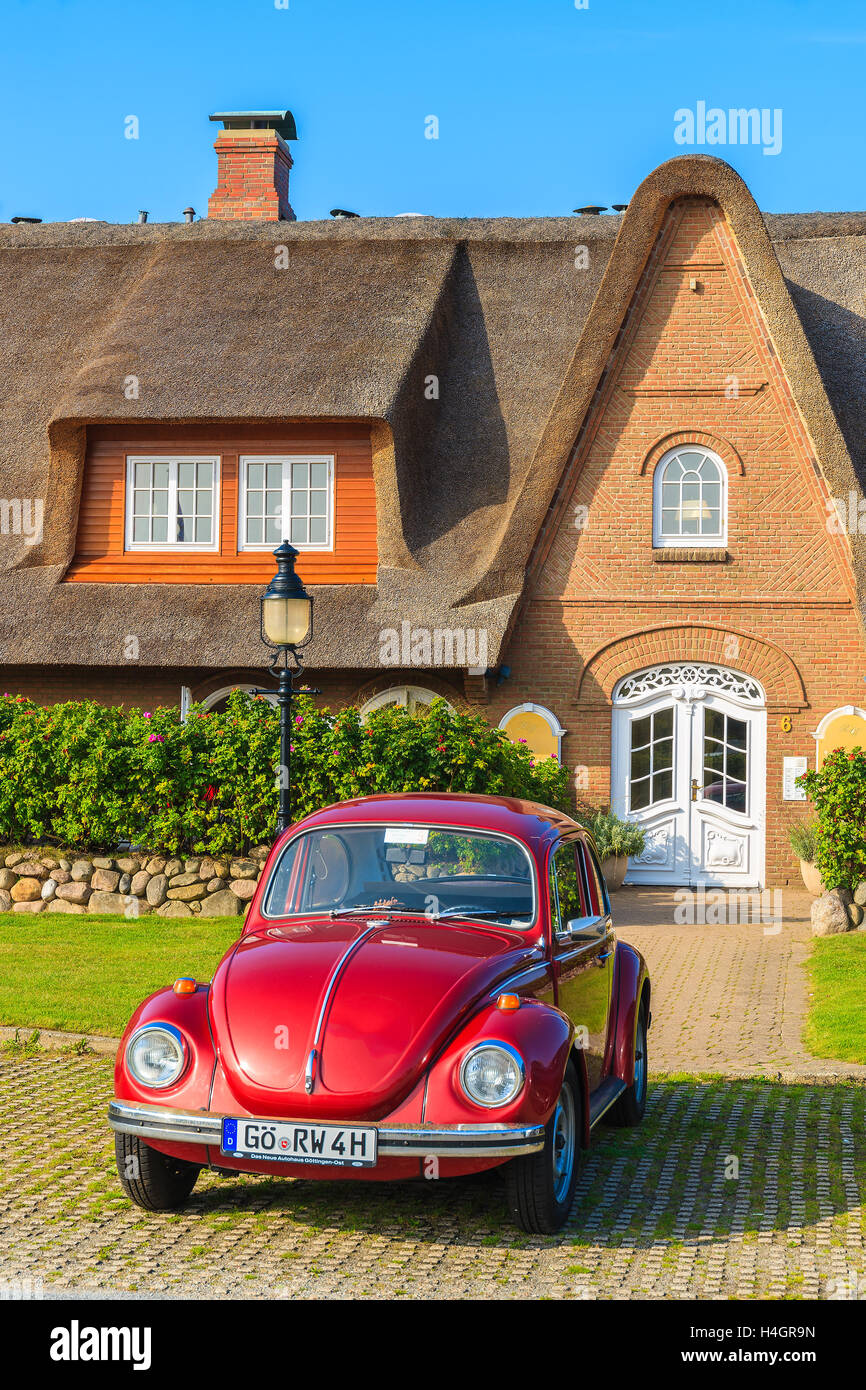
(630, 983)
(541, 1034)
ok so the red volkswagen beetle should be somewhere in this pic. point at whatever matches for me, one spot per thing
(426, 985)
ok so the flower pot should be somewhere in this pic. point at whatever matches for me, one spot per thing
(614, 869)
(811, 878)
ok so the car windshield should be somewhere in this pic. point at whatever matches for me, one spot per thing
(408, 870)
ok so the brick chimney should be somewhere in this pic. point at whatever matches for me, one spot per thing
(253, 163)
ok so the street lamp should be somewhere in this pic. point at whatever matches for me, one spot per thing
(287, 626)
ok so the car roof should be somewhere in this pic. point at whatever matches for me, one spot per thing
(528, 821)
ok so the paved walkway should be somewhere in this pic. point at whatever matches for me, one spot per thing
(727, 998)
(729, 1189)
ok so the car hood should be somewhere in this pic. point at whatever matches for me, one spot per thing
(375, 1002)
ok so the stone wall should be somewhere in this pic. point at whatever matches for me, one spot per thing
(41, 879)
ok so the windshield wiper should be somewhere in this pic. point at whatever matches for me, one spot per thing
(368, 907)
(475, 912)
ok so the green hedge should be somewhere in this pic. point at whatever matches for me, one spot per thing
(91, 775)
(838, 792)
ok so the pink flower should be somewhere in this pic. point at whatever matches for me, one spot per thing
(156, 738)
(147, 714)
(299, 719)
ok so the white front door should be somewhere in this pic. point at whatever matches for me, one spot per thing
(689, 766)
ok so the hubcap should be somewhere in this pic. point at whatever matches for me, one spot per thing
(564, 1140)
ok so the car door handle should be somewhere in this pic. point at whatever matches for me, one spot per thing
(605, 955)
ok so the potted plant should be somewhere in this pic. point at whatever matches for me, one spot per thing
(616, 840)
(803, 838)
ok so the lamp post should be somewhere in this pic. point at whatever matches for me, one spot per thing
(287, 626)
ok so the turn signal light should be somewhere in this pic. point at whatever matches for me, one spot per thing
(508, 1003)
(185, 985)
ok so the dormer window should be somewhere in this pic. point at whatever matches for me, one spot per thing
(172, 503)
(690, 499)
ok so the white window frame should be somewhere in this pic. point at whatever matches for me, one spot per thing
(401, 695)
(547, 715)
(172, 460)
(286, 504)
(698, 542)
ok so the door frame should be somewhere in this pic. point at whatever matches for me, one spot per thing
(688, 684)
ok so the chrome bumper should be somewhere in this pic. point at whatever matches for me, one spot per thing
(405, 1141)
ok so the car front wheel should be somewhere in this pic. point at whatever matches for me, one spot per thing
(151, 1179)
(541, 1186)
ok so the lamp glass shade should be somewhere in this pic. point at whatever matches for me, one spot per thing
(286, 619)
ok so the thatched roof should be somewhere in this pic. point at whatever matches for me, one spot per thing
(367, 310)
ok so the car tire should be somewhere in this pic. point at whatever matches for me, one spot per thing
(151, 1179)
(630, 1108)
(540, 1186)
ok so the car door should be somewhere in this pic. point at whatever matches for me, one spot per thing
(582, 948)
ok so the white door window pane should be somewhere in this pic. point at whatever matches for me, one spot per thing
(142, 475)
(275, 475)
(318, 475)
(300, 474)
(318, 530)
(272, 531)
(160, 528)
(161, 474)
(203, 530)
(186, 475)
(254, 530)
(299, 532)
(255, 475)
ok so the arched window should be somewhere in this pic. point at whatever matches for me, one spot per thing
(690, 501)
(217, 699)
(409, 696)
(844, 727)
(536, 727)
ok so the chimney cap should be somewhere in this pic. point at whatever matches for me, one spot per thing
(339, 213)
(26, 219)
(591, 210)
(283, 122)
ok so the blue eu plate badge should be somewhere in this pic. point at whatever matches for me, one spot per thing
(230, 1135)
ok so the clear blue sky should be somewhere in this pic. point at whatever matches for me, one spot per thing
(542, 107)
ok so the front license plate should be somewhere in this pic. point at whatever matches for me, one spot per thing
(276, 1140)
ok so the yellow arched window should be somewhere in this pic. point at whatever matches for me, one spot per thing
(841, 728)
(536, 727)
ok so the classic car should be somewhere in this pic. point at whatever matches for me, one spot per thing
(426, 985)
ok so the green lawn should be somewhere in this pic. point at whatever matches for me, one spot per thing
(87, 974)
(837, 1019)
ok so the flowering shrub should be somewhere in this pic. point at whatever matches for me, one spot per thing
(838, 792)
(92, 775)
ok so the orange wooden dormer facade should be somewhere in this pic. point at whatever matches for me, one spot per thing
(222, 492)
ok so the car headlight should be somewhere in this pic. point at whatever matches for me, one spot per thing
(157, 1054)
(492, 1074)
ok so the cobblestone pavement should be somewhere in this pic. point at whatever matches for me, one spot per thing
(729, 1189)
(731, 998)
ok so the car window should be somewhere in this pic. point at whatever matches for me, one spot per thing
(595, 882)
(412, 870)
(567, 886)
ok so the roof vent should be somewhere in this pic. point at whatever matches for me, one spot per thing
(590, 211)
(189, 214)
(340, 213)
(142, 217)
(619, 207)
(27, 219)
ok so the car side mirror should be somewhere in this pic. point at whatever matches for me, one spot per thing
(584, 926)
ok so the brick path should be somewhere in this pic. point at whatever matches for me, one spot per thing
(730, 999)
(729, 1189)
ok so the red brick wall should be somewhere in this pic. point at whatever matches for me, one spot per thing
(253, 177)
(783, 602)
